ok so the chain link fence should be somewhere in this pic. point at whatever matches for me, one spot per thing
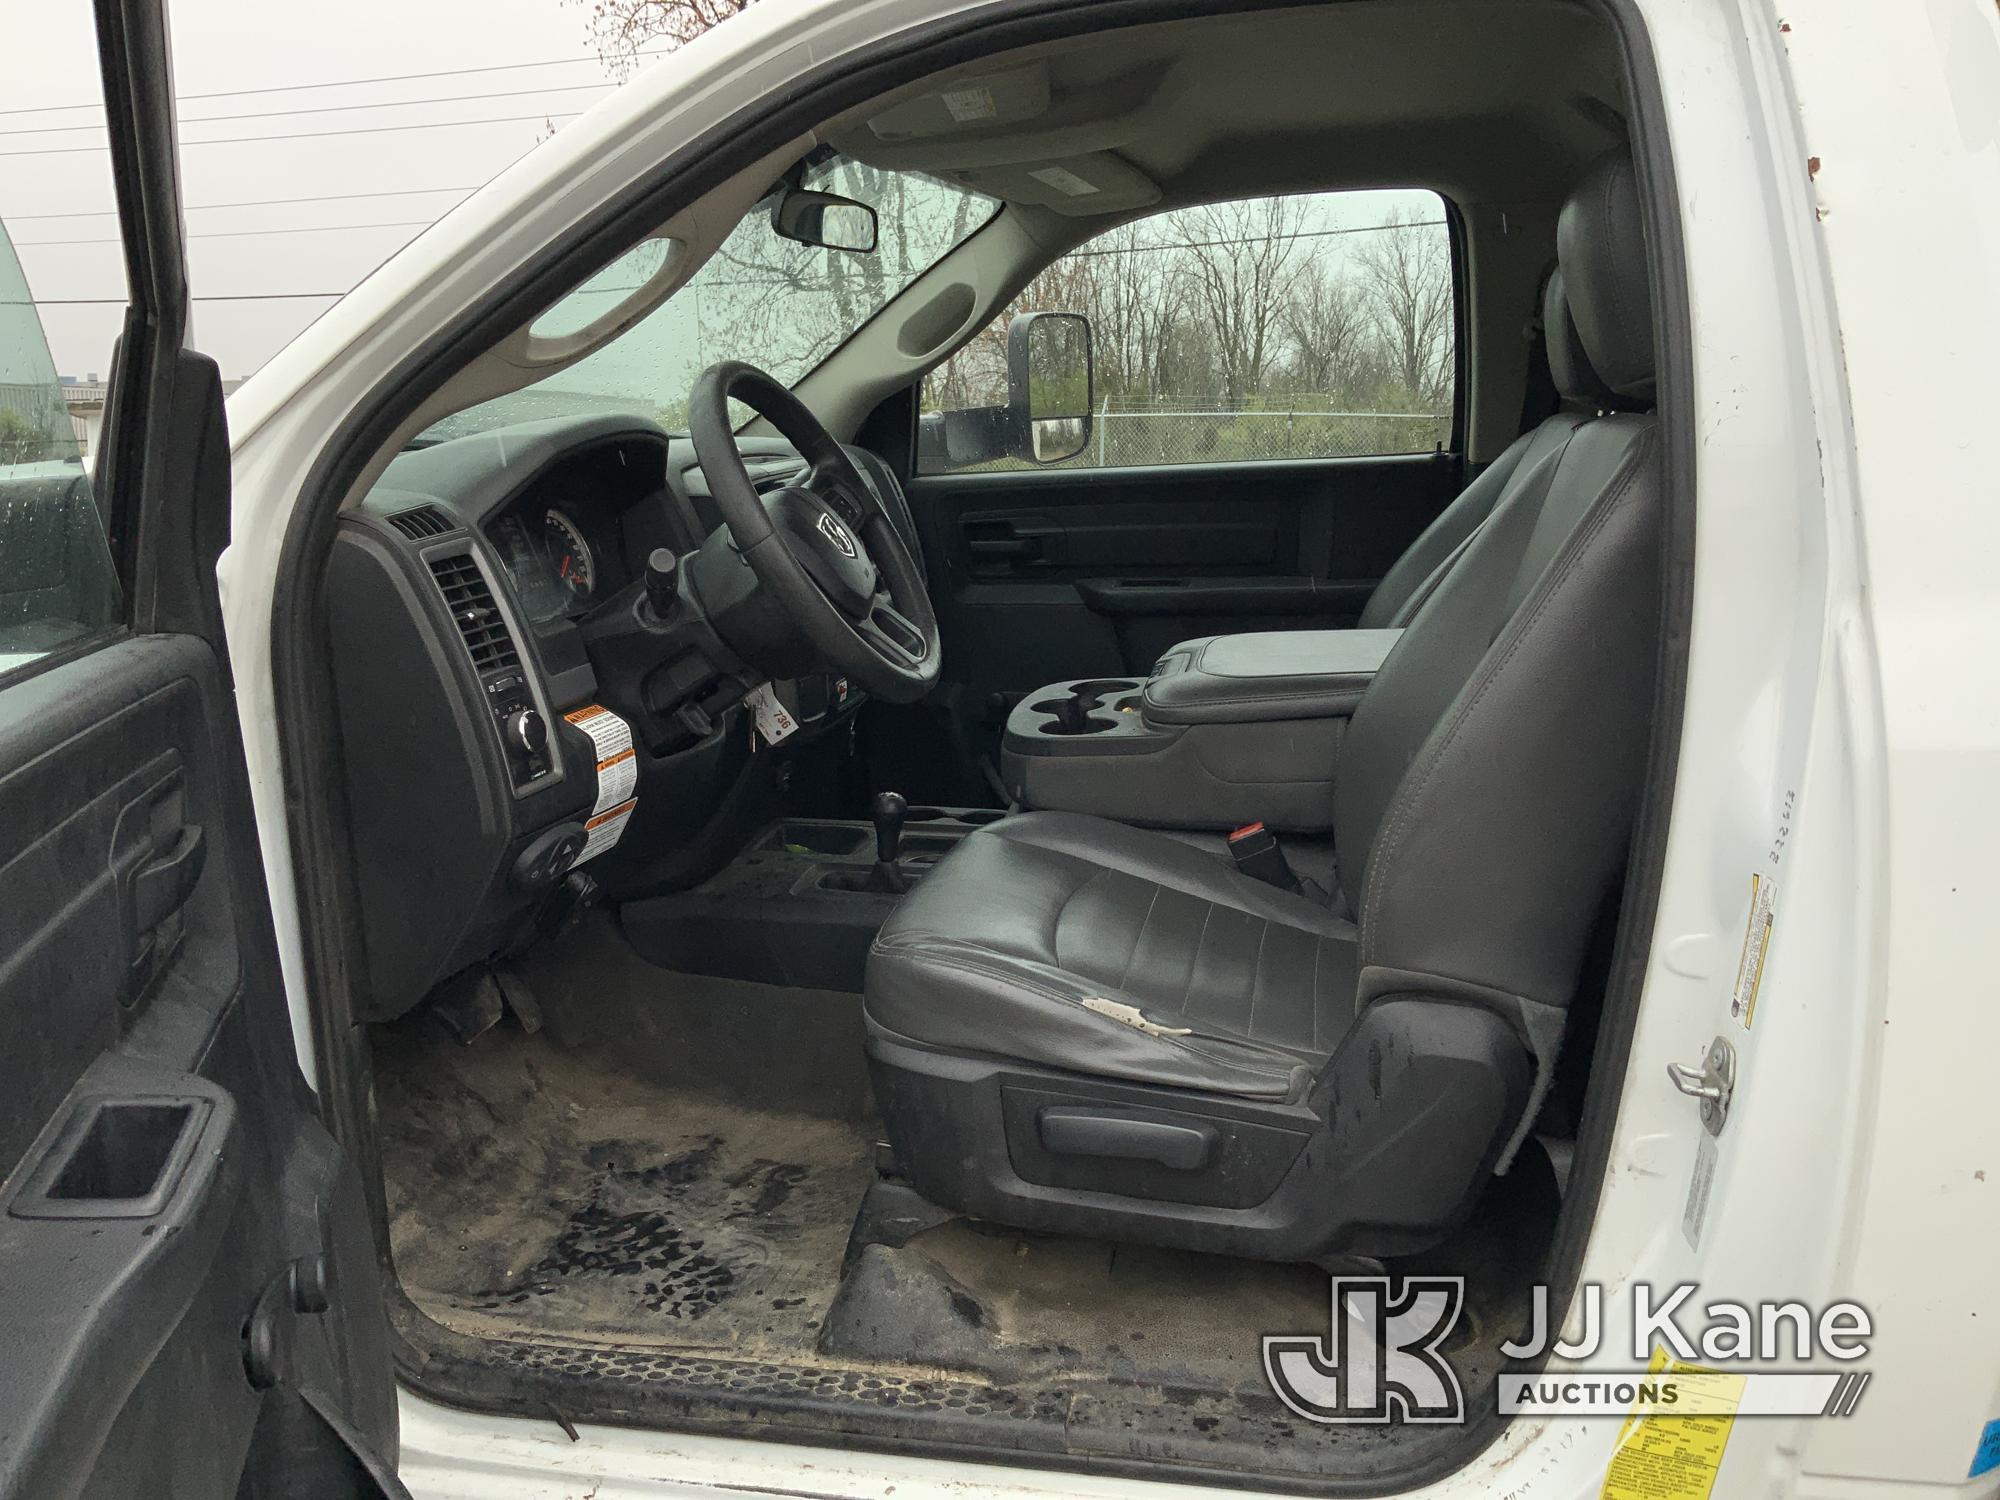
(1131, 432)
(1134, 432)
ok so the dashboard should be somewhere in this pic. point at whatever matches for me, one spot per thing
(553, 565)
(579, 532)
(472, 598)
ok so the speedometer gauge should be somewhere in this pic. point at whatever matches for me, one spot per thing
(569, 555)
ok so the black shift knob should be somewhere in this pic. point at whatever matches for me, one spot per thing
(663, 580)
(888, 812)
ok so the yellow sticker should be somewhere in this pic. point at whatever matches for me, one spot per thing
(1756, 948)
(1673, 1458)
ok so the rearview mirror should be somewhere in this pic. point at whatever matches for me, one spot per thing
(1049, 384)
(824, 219)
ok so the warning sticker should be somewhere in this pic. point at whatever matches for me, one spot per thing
(970, 104)
(617, 776)
(1063, 181)
(1695, 1215)
(1756, 945)
(1674, 1458)
(606, 829)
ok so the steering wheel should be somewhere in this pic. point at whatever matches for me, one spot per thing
(822, 547)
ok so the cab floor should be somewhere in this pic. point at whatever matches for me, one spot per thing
(533, 1189)
(575, 1204)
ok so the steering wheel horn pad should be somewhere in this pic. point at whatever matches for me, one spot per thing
(839, 569)
(829, 552)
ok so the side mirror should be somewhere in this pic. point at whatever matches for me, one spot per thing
(1049, 385)
(824, 219)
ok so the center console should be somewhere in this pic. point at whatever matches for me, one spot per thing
(801, 904)
(1227, 730)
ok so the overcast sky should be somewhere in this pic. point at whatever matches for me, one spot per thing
(223, 45)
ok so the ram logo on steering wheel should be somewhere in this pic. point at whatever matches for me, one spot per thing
(836, 533)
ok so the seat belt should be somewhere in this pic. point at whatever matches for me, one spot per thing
(1255, 850)
(1540, 399)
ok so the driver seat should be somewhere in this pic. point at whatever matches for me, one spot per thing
(1082, 1027)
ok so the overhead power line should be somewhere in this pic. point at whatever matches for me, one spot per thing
(337, 83)
(237, 234)
(329, 109)
(1297, 234)
(196, 208)
(216, 297)
(316, 135)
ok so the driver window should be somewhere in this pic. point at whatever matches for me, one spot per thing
(1311, 326)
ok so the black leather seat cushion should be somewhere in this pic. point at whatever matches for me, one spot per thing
(998, 949)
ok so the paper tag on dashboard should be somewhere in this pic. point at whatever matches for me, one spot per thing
(617, 773)
(774, 720)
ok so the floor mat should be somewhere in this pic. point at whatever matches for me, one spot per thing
(536, 1190)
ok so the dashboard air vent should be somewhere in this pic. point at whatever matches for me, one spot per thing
(473, 611)
(424, 521)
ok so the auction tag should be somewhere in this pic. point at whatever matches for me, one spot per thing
(617, 775)
(774, 720)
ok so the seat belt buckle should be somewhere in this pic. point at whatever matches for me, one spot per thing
(1255, 850)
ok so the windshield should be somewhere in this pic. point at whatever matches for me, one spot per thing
(778, 304)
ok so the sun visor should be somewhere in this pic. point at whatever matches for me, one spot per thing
(968, 103)
(1097, 183)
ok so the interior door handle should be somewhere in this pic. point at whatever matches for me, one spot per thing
(163, 884)
(1011, 546)
(1025, 541)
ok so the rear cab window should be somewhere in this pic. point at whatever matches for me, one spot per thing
(1315, 325)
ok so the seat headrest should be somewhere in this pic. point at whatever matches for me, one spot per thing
(1601, 248)
(1569, 367)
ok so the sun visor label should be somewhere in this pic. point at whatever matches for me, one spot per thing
(617, 776)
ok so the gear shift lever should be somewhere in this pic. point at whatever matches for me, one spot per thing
(888, 812)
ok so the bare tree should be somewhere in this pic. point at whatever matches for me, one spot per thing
(1327, 323)
(1406, 272)
(1241, 260)
(621, 29)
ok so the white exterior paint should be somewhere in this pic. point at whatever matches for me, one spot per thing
(1844, 645)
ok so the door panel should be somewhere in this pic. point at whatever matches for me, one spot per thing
(165, 1168)
(1059, 573)
(190, 1301)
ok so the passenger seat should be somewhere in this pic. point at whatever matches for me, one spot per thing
(1416, 574)
(1092, 1029)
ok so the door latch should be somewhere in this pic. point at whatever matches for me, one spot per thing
(1712, 1083)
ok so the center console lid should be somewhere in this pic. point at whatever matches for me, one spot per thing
(1279, 674)
(1228, 730)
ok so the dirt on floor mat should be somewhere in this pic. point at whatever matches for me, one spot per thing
(534, 1191)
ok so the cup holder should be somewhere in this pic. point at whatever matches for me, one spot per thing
(1076, 712)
